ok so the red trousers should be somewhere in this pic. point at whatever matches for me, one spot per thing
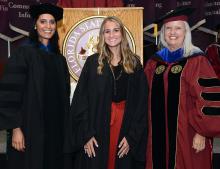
(117, 113)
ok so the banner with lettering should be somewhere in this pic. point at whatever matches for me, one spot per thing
(212, 13)
(15, 23)
(19, 18)
(154, 9)
(5, 31)
(4, 17)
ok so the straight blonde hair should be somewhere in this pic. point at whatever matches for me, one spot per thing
(188, 47)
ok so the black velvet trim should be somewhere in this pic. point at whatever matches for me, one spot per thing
(158, 122)
(209, 82)
(211, 96)
(173, 110)
(211, 111)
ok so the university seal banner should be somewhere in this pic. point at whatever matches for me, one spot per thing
(81, 41)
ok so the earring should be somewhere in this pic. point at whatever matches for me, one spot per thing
(35, 27)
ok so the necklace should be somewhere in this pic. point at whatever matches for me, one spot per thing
(115, 79)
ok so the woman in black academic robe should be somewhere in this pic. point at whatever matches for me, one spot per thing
(112, 85)
(34, 96)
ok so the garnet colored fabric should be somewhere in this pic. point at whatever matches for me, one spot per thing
(89, 3)
(183, 101)
(213, 56)
(117, 113)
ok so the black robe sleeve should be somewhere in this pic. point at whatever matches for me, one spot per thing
(79, 132)
(137, 133)
(66, 77)
(12, 85)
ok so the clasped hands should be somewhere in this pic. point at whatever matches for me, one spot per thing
(90, 149)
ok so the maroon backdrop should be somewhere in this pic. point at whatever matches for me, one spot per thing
(15, 12)
(90, 3)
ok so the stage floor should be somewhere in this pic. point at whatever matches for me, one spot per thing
(216, 150)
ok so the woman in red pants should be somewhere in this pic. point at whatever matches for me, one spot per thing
(109, 106)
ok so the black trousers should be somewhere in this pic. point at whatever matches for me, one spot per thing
(216, 161)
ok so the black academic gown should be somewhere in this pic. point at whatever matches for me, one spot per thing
(91, 108)
(22, 102)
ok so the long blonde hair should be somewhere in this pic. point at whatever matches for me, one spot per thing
(128, 58)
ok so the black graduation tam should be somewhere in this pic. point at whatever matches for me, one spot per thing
(46, 8)
(180, 13)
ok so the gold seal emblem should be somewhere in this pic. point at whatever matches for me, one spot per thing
(160, 69)
(176, 69)
(81, 41)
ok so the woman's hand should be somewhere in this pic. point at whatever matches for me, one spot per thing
(89, 147)
(124, 148)
(198, 142)
(18, 142)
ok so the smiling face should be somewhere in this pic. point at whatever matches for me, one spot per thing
(46, 27)
(112, 34)
(174, 34)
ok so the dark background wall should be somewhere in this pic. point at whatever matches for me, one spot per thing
(14, 17)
